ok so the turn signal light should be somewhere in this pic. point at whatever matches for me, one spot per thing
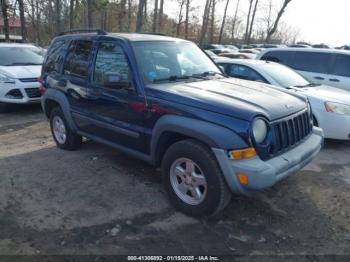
(243, 153)
(243, 179)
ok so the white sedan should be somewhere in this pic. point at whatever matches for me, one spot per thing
(330, 106)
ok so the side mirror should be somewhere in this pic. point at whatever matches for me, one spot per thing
(115, 81)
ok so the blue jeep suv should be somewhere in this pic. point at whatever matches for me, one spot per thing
(163, 100)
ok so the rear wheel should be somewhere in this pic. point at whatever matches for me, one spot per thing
(64, 137)
(193, 179)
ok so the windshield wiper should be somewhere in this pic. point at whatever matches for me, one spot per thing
(171, 78)
(23, 64)
(308, 85)
(208, 73)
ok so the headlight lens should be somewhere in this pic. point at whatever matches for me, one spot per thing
(259, 130)
(338, 108)
(6, 79)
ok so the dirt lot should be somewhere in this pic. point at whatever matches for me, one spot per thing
(99, 201)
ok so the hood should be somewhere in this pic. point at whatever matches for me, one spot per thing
(238, 98)
(22, 71)
(327, 93)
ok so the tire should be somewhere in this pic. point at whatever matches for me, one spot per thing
(213, 195)
(64, 137)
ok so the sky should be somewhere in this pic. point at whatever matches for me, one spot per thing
(319, 21)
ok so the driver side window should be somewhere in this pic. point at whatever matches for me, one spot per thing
(111, 64)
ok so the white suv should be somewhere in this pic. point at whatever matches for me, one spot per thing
(20, 68)
(321, 66)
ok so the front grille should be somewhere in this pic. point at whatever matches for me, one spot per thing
(33, 92)
(14, 93)
(290, 132)
(28, 80)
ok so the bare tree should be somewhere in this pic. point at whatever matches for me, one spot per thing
(122, 14)
(129, 15)
(274, 26)
(234, 23)
(252, 22)
(23, 20)
(89, 13)
(4, 8)
(223, 22)
(205, 21)
(180, 16)
(212, 21)
(58, 15)
(71, 14)
(160, 15)
(155, 16)
(248, 21)
(140, 13)
(187, 17)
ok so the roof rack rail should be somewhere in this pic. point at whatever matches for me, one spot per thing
(152, 33)
(83, 30)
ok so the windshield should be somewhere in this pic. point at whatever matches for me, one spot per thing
(285, 76)
(172, 61)
(12, 56)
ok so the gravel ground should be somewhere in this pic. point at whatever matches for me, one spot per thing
(102, 202)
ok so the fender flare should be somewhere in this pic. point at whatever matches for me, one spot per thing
(61, 99)
(212, 135)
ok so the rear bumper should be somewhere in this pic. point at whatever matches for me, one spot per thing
(264, 174)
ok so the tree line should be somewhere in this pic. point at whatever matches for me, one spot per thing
(243, 21)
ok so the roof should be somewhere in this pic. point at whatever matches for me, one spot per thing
(298, 49)
(240, 61)
(132, 37)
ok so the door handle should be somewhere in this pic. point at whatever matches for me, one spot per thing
(319, 78)
(334, 80)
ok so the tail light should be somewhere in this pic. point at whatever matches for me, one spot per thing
(42, 88)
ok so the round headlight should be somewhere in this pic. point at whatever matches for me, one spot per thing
(259, 130)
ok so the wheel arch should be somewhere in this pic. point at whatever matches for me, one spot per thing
(54, 98)
(171, 129)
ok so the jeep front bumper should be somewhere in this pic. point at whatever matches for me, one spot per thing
(264, 174)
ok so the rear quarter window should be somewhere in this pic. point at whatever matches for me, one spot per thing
(312, 62)
(342, 66)
(54, 58)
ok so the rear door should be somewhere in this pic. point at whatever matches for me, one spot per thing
(340, 72)
(312, 65)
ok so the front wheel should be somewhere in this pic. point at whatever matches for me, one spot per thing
(193, 179)
(64, 137)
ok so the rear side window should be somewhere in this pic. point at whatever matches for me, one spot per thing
(53, 59)
(342, 65)
(278, 57)
(311, 62)
(77, 60)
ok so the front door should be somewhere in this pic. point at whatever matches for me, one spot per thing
(112, 108)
